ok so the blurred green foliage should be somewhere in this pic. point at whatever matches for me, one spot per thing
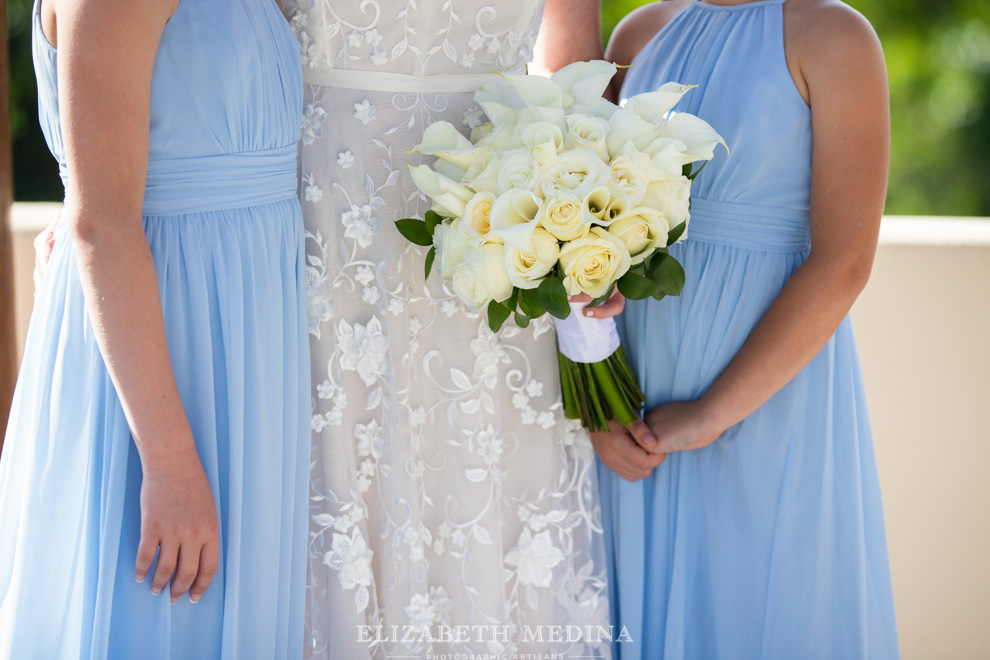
(938, 58)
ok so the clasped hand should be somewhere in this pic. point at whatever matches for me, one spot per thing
(633, 452)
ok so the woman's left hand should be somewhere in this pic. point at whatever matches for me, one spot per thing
(611, 307)
(682, 425)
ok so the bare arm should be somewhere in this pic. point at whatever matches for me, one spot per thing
(842, 64)
(106, 54)
(571, 31)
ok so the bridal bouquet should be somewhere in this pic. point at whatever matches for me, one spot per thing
(563, 193)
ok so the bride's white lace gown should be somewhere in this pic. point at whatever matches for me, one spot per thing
(448, 489)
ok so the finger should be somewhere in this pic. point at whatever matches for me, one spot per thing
(642, 434)
(168, 554)
(209, 561)
(147, 548)
(185, 571)
(611, 307)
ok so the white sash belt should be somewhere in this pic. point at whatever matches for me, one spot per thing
(383, 81)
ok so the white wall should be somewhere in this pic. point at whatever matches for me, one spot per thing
(923, 328)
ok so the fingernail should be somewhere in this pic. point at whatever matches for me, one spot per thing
(139, 578)
(156, 590)
(193, 599)
(588, 312)
(175, 599)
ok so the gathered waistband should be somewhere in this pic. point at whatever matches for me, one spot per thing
(749, 226)
(402, 83)
(176, 186)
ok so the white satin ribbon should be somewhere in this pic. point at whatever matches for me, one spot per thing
(585, 339)
(402, 83)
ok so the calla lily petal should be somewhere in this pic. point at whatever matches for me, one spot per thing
(514, 217)
(444, 191)
(654, 106)
(699, 137)
(442, 136)
(584, 81)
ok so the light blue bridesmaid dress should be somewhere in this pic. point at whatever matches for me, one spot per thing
(225, 229)
(770, 542)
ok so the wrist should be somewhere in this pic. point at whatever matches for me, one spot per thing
(713, 415)
(170, 457)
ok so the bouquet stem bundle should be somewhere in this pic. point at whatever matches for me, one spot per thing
(599, 391)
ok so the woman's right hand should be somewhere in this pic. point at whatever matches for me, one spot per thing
(43, 245)
(179, 522)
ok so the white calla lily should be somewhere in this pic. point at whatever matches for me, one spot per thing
(582, 82)
(442, 136)
(594, 205)
(514, 216)
(699, 138)
(542, 96)
(500, 102)
(668, 156)
(449, 196)
(654, 106)
(626, 126)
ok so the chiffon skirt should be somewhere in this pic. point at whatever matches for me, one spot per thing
(233, 297)
(768, 543)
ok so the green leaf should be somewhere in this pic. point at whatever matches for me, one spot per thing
(668, 274)
(636, 287)
(529, 303)
(430, 256)
(553, 297)
(522, 320)
(686, 170)
(432, 220)
(497, 315)
(415, 231)
(598, 301)
(674, 234)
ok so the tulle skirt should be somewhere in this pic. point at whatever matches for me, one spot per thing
(770, 542)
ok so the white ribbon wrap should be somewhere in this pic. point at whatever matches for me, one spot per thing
(586, 340)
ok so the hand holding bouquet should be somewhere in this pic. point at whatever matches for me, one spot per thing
(563, 193)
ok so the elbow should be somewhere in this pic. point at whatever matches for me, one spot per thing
(847, 273)
(93, 228)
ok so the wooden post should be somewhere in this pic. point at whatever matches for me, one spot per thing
(8, 345)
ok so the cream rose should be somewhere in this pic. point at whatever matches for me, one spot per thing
(470, 288)
(574, 173)
(593, 263)
(672, 197)
(476, 223)
(628, 180)
(482, 174)
(482, 277)
(543, 139)
(450, 243)
(587, 133)
(562, 217)
(527, 268)
(517, 171)
(643, 231)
